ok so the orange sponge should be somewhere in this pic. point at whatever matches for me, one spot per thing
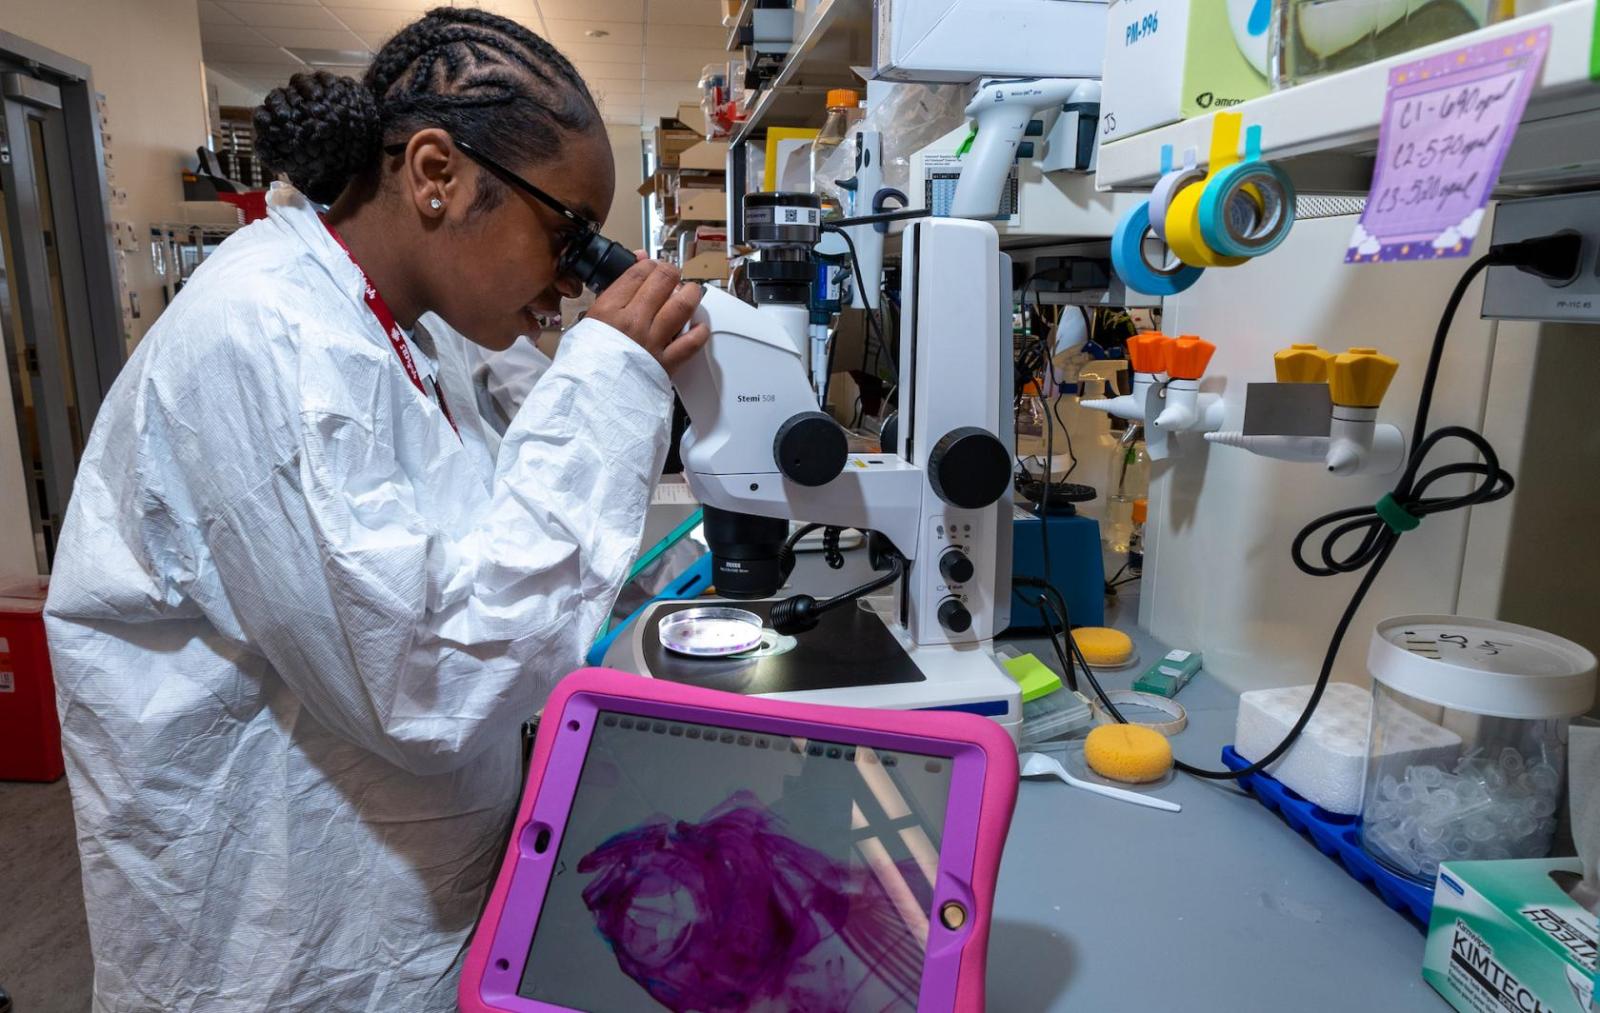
(1129, 753)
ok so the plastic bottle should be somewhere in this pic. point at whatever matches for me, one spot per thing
(1127, 482)
(842, 103)
(1141, 510)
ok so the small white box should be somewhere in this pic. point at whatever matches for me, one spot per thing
(963, 40)
(1166, 60)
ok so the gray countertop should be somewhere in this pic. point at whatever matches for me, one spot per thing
(1106, 906)
(1103, 905)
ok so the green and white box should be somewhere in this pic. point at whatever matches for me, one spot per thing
(1506, 938)
(1167, 60)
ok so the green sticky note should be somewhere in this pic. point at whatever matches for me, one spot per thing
(1032, 676)
(1594, 47)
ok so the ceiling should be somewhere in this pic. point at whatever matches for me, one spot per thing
(648, 60)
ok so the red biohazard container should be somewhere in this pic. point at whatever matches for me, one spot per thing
(30, 734)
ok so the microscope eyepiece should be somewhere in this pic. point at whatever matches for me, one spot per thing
(596, 261)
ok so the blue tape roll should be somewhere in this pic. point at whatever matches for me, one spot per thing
(1236, 224)
(1127, 258)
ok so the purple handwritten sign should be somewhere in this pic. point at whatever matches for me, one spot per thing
(1447, 123)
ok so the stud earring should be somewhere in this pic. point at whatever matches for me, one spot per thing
(436, 203)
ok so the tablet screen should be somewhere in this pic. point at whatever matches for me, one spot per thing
(717, 869)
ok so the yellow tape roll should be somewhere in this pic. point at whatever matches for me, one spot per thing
(1183, 216)
(1183, 232)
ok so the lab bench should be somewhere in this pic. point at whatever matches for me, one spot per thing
(1105, 906)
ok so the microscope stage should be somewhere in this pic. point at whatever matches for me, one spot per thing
(852, 659)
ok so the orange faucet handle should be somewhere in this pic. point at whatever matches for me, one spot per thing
(1147, 352)
(1359, 377)
(1302, 363)
(1188, 357)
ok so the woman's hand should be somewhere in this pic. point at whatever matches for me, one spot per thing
(649, 305)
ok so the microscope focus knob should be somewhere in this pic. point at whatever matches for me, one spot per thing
(954, 616)
(811, 449)
(969, 468)
(956, 567)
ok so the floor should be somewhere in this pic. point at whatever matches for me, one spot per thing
(44, 941)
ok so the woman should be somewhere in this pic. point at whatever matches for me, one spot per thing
(304, 599)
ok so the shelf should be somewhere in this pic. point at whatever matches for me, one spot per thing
(1325, 132)
(738, 19)
(738, 23)
(839, 38)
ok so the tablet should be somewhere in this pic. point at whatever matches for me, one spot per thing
(682, 849)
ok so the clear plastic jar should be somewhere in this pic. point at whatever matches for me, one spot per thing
(1468, 744)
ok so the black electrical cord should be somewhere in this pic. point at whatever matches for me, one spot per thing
(874, 333)
(800, 613)
(1381, 525)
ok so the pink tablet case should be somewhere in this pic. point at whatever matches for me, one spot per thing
(968, 865)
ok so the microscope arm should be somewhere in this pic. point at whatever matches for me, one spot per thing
(757, 444)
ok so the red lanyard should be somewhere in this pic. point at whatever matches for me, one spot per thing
(397, 337)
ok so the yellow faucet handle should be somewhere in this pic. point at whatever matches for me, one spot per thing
(1359, 377)
(1302, 363)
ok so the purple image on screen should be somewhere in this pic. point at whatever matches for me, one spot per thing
(731, 913)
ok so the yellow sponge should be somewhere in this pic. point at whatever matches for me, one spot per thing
(1103, 646)
(1129, 753)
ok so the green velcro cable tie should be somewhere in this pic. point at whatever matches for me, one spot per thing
(1399, 519)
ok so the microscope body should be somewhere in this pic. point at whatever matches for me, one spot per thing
(940, 495)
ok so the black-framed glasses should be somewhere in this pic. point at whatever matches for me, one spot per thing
(528, 188)
(587, 256)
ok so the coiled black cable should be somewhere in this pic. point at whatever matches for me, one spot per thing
(1380, 526)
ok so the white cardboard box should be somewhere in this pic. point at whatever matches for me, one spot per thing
(1166, 60)
(962, 40)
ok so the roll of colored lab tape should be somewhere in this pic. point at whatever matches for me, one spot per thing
(1246, 209)
(1165, 189)
(1134, 268)
(1184, 236)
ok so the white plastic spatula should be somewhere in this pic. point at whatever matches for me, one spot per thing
(1040, 765)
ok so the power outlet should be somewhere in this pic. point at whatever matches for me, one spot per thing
(1510, 294)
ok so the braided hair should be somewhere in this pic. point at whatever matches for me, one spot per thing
(485, 79)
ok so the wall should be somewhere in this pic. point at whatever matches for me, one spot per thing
(1546, 544)
(230, 92)
(625, 223)
(145, 58)
(1218, 575)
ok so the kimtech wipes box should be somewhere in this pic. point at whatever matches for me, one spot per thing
(1167, 60)
(1505, 937)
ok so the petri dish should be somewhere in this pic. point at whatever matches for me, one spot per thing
(710, 632)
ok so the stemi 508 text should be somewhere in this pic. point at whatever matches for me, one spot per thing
(756, 398)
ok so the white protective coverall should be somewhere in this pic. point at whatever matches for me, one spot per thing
(296, 625)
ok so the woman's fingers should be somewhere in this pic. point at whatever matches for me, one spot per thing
(684, 346)
(672, 317)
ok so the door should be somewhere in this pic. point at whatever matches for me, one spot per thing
(58, 308)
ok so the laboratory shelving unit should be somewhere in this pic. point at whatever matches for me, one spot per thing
(838, 37)
(1325, 132)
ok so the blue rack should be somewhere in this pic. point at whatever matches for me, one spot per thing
(1337, 837)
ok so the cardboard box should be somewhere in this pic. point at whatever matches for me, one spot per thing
(702, 206)
(707, 266)
(1505, 935)
(670, 142)
(959, 40)
(1167, 60)
(707, 156)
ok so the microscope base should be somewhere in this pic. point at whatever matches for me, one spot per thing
(853, 659)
